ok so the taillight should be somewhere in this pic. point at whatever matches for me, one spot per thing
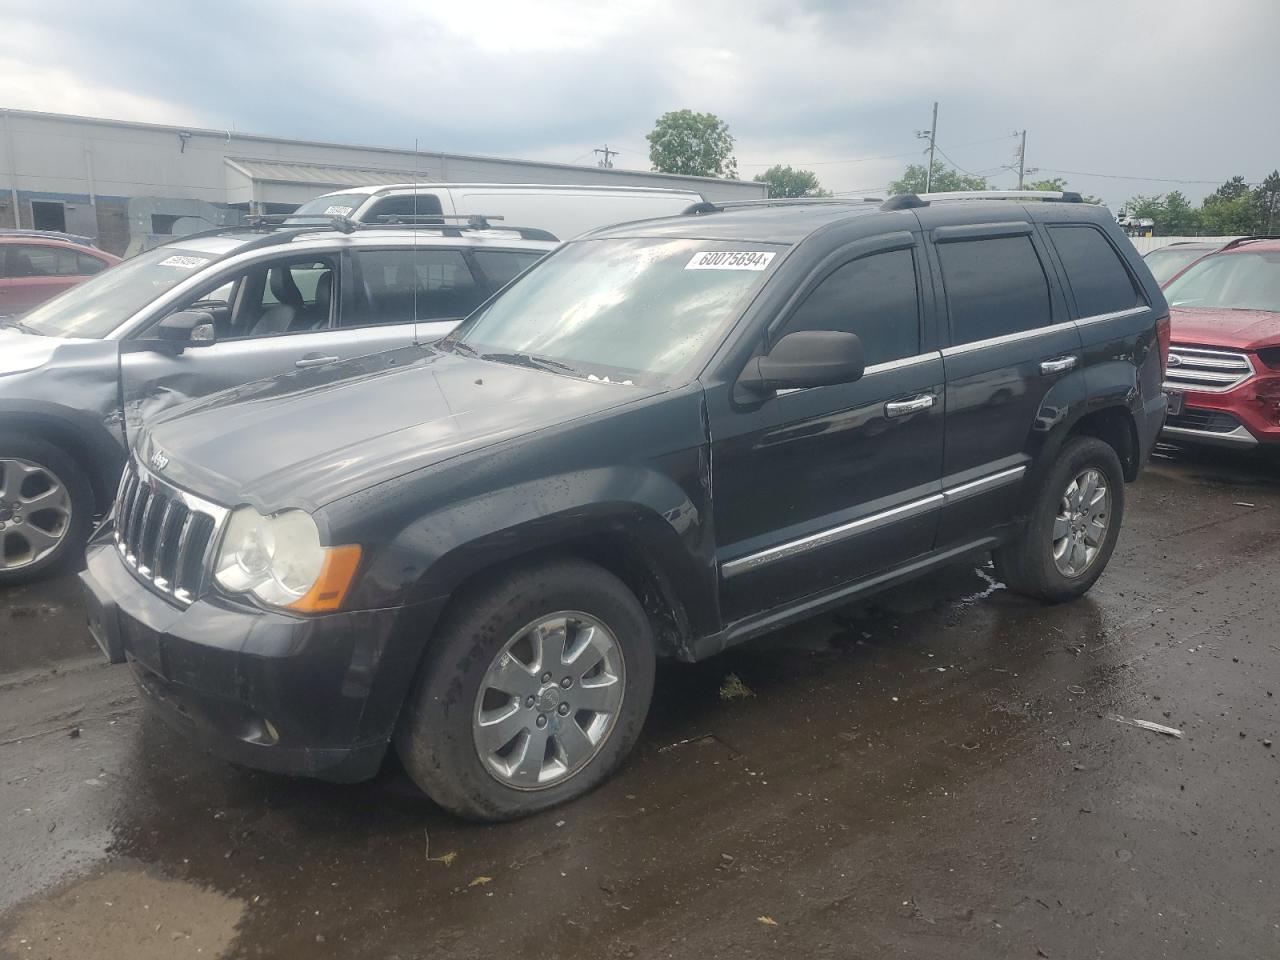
(1164, 336)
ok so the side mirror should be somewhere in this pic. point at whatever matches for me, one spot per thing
(188, 327)
(806, 358)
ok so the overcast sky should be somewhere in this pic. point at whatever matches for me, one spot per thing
(1147, 89)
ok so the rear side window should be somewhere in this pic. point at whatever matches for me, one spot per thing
(995, 286)
(399, 286)
(874, 297)
(501, 266)
(87, 266)
(1097, 276)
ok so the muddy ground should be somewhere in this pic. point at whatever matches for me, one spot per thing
(936, 773)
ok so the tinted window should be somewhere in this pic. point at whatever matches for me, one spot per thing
(995, 286)
(87, 266)
(1098, 278)
(421, 205)
(501, 266)
(35, 260)
(399, 286)
(874, 297)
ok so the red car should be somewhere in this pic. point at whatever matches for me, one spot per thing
(34, 268)
(1223, 376)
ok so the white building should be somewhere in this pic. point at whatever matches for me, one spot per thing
(122, 182)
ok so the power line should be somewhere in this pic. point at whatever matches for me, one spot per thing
(1117, 176)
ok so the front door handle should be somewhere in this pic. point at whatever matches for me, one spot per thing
(900, 408)
(315, 360)
(1057, 365)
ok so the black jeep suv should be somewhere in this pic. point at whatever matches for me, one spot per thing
(666, 438)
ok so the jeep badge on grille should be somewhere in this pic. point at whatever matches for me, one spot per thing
(159, 461)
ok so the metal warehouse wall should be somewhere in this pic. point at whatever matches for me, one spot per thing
(113, 176)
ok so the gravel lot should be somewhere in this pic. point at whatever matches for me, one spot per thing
(935, 773)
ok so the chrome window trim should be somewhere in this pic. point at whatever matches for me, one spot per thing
(1114, 315)
(1003, 339)
(933, 501)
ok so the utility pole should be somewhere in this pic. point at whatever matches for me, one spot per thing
(1022, 158)
(607, 163)
(932, 136)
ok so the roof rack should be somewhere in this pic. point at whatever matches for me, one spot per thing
(905, 200)
(1241, 241)
(708, 206)
(279, 227)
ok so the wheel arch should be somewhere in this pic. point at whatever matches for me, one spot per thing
(86, 440)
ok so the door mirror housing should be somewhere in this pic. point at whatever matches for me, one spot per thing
(191, 328)
(806, 358)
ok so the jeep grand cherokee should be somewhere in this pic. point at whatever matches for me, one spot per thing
(666, 438)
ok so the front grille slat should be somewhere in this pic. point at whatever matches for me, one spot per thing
(164, 534)
(1207, 370)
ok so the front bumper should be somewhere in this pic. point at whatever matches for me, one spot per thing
(315, 696)
(1236, 418)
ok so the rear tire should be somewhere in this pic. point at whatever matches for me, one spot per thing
(483, 749)
(1073, 528)
(46, 509)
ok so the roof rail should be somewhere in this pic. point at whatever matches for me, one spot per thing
(709, 206)
(1050, 196)
(469, 221)
(1241, 241)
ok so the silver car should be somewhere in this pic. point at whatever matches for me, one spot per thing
(199, 315)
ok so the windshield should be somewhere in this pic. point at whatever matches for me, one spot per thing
(626, 309)
(334, 205)
(96, 307)
(1164, 263)
(1230, 281)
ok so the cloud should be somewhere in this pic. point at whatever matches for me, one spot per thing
(1153, 88)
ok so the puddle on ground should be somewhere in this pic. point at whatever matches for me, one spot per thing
(123, 913)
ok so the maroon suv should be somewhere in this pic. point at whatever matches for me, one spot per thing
(1223, 376)
(34, 268)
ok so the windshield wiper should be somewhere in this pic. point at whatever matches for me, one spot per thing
(465, 349)
(17, 325)
(534, 362)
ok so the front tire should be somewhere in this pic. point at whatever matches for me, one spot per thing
(1074, 525)
(46, 508)
(533, 691)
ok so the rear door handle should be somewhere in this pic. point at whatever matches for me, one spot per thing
(315, 360)
(900, 408)
(1057, 365)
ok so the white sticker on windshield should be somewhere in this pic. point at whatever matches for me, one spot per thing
(187, 263)
(730, 260)
(337, 210)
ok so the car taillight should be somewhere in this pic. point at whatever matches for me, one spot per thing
(1164, 335)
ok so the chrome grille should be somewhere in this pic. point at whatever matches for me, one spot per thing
(164, 534)
(1213, 371)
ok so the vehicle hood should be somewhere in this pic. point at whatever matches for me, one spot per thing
(308, 438)
(20, 352)
(1239, 329)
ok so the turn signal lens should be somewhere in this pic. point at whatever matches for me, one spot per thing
(330, 588)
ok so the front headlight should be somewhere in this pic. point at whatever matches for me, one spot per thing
(279, 560)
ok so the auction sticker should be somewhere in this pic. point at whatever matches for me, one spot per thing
(730, 260)
(187, 263)
(336, 210)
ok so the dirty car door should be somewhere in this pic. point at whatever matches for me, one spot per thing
(831, 484)
(277, 316)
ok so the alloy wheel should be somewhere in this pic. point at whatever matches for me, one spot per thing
(1080, 528)
(549, 701)
(35, 513)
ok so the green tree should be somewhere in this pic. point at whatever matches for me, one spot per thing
(1266, 200)
(786, 182)
(1053, 183)
(692, 144)
(1233, 189)
(944, 180)
(1181, 219)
